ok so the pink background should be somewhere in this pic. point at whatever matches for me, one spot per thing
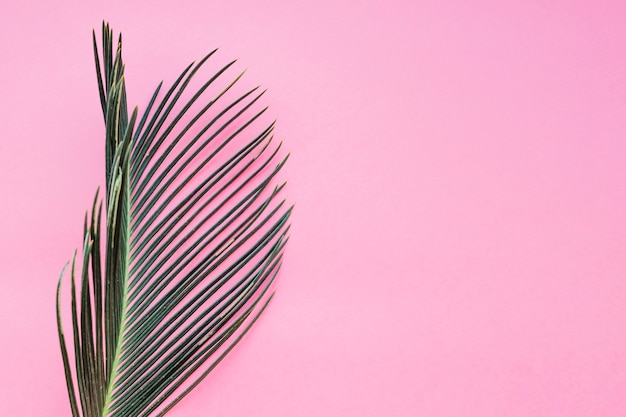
(459, 174)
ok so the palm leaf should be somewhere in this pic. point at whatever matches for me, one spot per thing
(195, 233)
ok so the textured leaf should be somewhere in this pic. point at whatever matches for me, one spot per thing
(194, 238)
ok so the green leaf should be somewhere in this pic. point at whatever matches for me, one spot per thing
(194, 239)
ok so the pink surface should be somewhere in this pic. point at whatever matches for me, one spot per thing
(459, 174)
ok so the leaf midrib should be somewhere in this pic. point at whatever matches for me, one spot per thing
(122, 326)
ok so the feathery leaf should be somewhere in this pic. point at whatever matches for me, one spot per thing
(195, 235)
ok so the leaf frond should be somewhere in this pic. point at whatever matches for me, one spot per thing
(194, 238)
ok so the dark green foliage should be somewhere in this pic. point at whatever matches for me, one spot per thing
(193, 241)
